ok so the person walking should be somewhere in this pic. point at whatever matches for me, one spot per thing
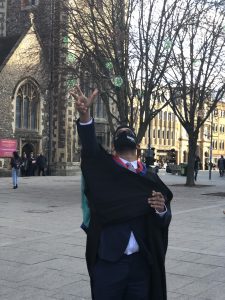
(221, 165)
(41, 164)
(127, 234)
(196, 167)
(15, 165)
(31, 164)
(24, 165)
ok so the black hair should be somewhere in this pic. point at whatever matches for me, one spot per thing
(124, 126)
(15, 154)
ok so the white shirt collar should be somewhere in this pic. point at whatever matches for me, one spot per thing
(134, 163)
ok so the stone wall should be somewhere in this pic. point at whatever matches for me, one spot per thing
(38, 56)
(27, 61)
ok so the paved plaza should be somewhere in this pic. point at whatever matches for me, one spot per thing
(42, 247)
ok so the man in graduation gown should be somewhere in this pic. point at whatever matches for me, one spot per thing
(127, 236)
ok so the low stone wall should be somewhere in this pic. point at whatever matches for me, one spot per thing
(65, 169)
(5, 172)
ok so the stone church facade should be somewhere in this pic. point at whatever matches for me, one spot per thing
(35, 107)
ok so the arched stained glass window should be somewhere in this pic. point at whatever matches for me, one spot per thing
(34, 115)
(27, 107)
(26, 112)
(18, 111)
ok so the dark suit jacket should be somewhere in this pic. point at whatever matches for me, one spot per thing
(117, 196)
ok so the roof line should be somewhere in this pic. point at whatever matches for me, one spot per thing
(17, 44)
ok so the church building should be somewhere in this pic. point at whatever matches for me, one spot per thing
(35, 106)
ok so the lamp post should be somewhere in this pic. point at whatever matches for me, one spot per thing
(215, 112)
(210, 149)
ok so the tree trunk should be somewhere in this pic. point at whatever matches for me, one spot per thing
(191, 160)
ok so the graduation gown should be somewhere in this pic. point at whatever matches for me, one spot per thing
(117, 195)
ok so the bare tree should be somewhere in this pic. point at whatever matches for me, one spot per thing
(124, 47)
(196, 72)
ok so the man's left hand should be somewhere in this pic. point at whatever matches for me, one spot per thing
(157, 201)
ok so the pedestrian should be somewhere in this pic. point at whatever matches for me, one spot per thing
(196, 167)
(15, 165)
(127, 234)
(221, 165)
(41, 164)
(157, 167)
(24, 165)
(31, 164)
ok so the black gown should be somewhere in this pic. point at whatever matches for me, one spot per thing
(116, 195)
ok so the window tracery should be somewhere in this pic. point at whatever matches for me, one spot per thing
(27, 107)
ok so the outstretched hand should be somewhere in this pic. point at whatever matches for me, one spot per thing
(82, 102)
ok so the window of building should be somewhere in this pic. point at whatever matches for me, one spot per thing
(173, 117)
(100, 111)
(168, 134)
(163, 134)
(18, 111)
(108, 139)
(154, 133)
(27, 107)
(165, 115)
(87, 86)
(159, 134)
(34, 119)
(221, 145)
(27, 4)
(169, 116)
(2, 16)
(101, 138)
(26, 112)
(2, 3)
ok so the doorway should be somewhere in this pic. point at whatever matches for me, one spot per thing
(28, 148)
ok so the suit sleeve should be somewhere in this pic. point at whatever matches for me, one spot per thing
(90, 146)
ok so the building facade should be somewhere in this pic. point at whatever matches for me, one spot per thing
(167, 133)
(36, 108)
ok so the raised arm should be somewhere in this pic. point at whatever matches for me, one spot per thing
(85, 124)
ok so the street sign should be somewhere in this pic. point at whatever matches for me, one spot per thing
(7, 147)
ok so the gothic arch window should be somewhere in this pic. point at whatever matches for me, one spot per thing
(27, 107)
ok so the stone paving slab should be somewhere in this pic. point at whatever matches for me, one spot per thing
(42, 246)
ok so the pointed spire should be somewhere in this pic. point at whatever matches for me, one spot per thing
(31, 16)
